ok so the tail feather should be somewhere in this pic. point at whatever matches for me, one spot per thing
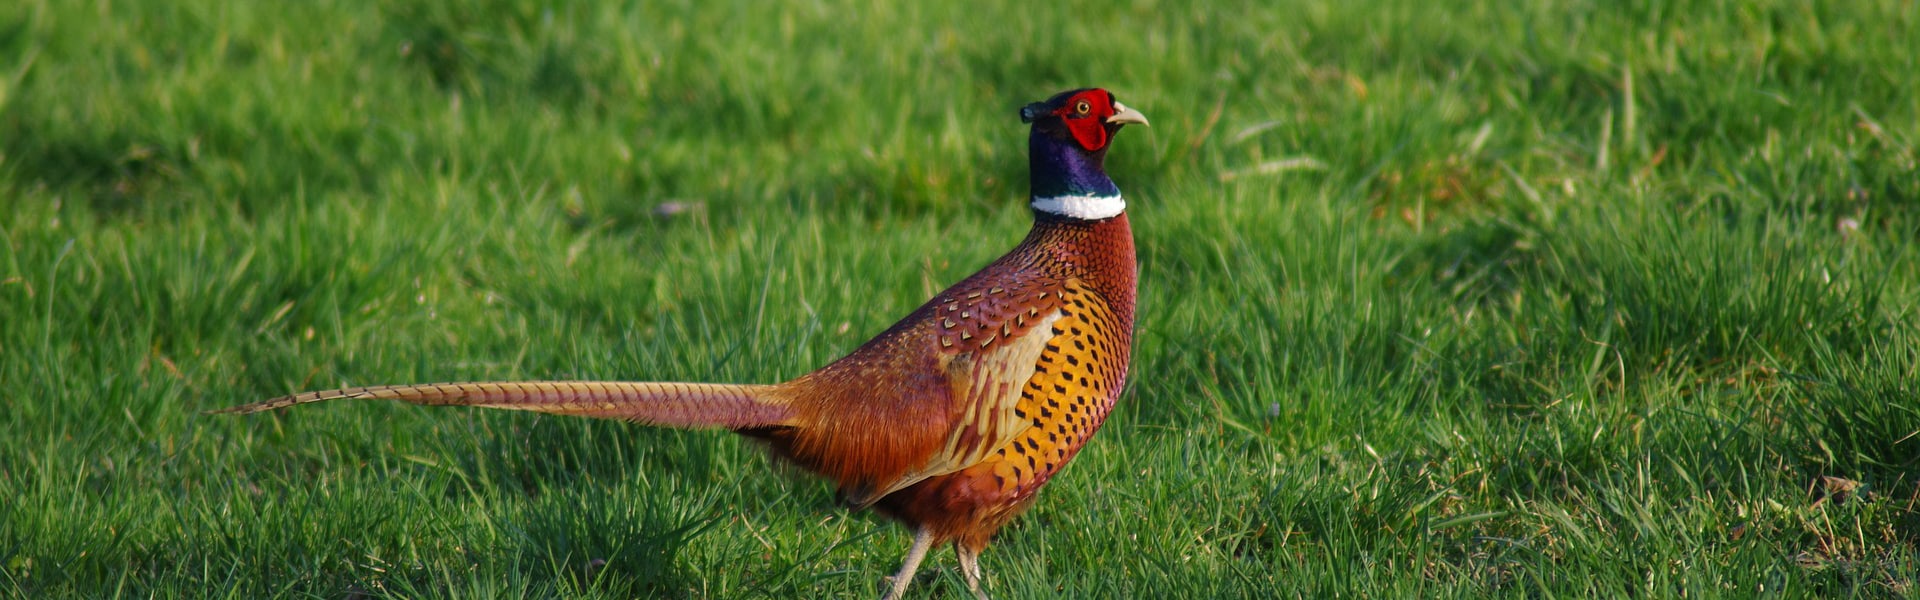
(685, 405)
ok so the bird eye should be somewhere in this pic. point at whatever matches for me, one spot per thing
(1082, 107)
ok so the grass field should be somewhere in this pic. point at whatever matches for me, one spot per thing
(1546, 299)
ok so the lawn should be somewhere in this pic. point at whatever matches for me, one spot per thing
(1474, 299)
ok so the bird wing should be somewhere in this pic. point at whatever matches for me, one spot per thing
(993, 340)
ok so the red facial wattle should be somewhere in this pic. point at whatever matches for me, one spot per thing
(1086, 117)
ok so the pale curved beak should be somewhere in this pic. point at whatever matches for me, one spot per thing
(1126, 115)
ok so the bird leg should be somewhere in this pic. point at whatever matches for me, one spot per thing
(922, 541)
(970, 567)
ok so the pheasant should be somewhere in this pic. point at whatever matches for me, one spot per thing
(952, 419)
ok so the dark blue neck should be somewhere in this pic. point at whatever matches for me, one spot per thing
(1062, 168)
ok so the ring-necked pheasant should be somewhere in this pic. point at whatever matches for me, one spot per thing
(952, 419)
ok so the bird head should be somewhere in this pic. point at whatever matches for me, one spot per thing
(1067, 152)
(1089, 117)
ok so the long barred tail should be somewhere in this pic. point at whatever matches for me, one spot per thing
(686, 405)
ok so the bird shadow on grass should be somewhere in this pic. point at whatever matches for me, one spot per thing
(601, 507)
(592, 538)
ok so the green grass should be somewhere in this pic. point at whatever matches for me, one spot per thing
(1544, 299)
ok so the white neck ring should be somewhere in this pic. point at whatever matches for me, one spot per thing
(1082, 207)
